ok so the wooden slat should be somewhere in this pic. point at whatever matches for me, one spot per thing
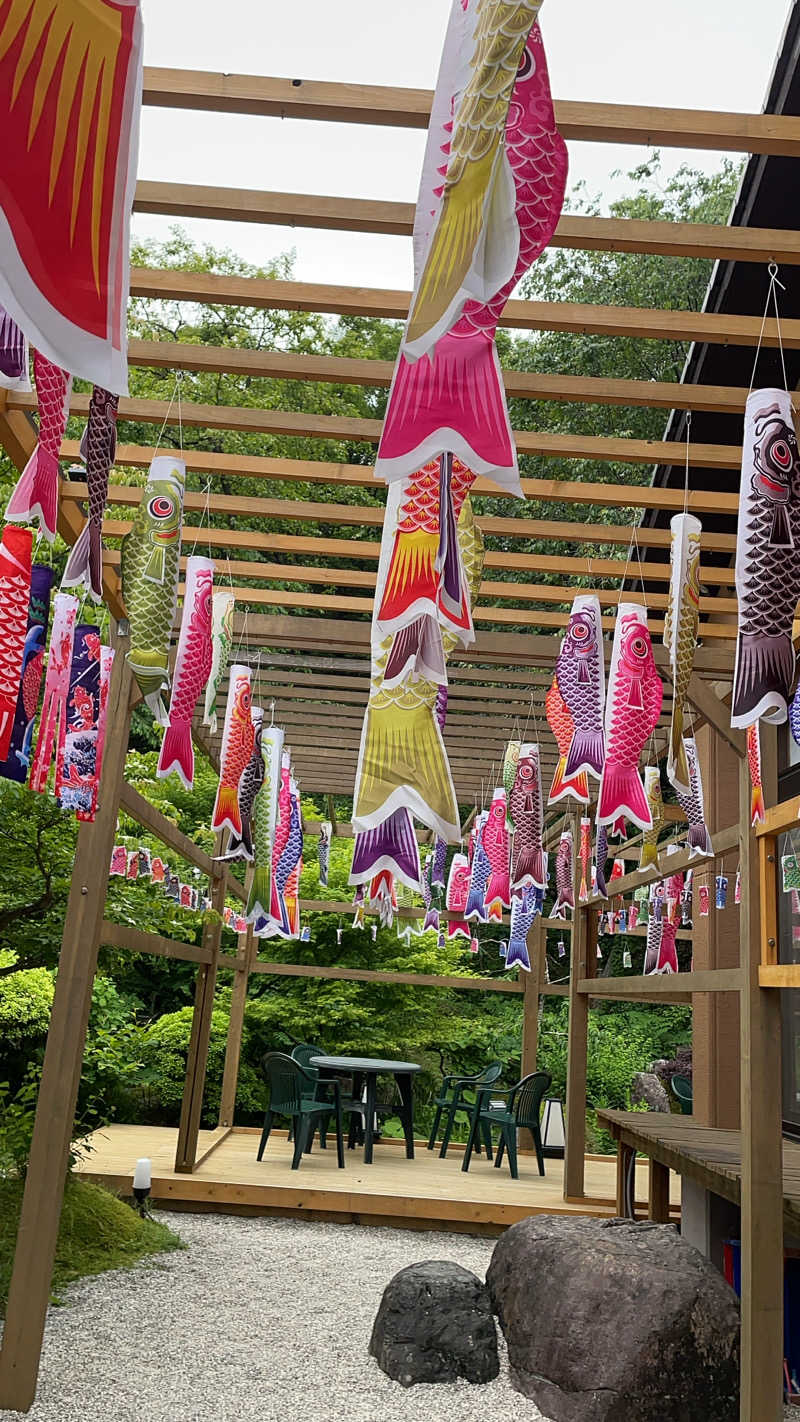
(780, 817)
(245, 418)
(364, 975)
(663, 985)
(377, 374)
(577, 318)
(272, 97)
(722, 842)
(359, 515)
(490, 589)
(122, 935)
(598, 234)
(779, 975)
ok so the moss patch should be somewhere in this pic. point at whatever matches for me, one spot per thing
(97, 1232)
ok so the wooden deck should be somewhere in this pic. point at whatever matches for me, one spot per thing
(711, 1158)
(422, 1193)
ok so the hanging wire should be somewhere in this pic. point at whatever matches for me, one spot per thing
(178, 377)
(686, 475)
(204, 515)
(772, 295)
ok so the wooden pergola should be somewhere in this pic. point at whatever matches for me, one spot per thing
(313, 644)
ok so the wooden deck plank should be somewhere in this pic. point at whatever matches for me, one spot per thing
(393, 1189)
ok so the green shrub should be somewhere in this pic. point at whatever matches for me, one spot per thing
(164, 1050)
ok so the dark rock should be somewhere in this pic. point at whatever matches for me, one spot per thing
(612, 1321)
(646, 1089)
(435, 1324)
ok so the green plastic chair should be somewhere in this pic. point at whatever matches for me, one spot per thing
(304, 1052)
(452, 1098)
(521, 1113)
(292, 1093)
(682, 1090)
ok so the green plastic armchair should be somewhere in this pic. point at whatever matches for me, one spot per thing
(292, 1093)
(521, 1112)
(453, 1098)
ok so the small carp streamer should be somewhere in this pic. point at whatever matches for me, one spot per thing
(632, 710)
(192, 668)
(680, 632)
(35, 495)
(150, 556)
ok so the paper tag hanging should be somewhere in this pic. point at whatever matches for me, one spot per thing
(790, 872)
(627, 961)
(562, 948)
(703, 891)
(119, 861)
(737, 892)
(721, 890)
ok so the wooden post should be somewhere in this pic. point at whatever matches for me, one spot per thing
(658, 1192)
(530, 1009)
(29, 1292)
(715, 944)
(626, 1200)
(245, 952)
(582, 965)
(197, 1059)
(761, 1394)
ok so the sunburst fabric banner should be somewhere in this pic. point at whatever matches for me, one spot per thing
(70, 94)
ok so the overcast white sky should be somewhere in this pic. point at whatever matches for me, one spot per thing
(713, 54)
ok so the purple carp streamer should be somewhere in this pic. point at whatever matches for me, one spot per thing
(767, 560)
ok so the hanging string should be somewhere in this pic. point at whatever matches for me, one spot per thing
(772, 295)
(686, 475)
(174, 396)
(204, 515)
(635, 543)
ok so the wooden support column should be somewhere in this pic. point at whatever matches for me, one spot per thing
(626, 1198)
(582, 965)
(29, 1292)
(531, 1001)
(245, 952)
(715, 945)
(761, 1395)
(658, 1192)
(197, 1059)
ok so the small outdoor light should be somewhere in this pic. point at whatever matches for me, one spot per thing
(553, 1128)
(142, 1180)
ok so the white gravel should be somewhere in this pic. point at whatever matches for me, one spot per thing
(266, 1319)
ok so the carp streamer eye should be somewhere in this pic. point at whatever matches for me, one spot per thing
(779, 454)
(579, 632)
(161, 507)
(639, 648)
(525, 64)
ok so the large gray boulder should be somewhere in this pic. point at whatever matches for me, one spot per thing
(612, 1321)
(435, 1324)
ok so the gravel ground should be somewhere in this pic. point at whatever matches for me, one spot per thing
(260, 1318)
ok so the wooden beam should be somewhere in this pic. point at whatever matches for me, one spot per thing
(722, 843)
(245, 953)
(338, 214)
(364, 975)
(761, 1391)
(377, 374)
(146, 815)
(716, 712)
(663, 985)
(647, 127)
(559, 593)
(636, 322)
(122, 935)
(197, 1057)
(29, 1291)
(250, 420)
(363, 515)
(582, 952)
